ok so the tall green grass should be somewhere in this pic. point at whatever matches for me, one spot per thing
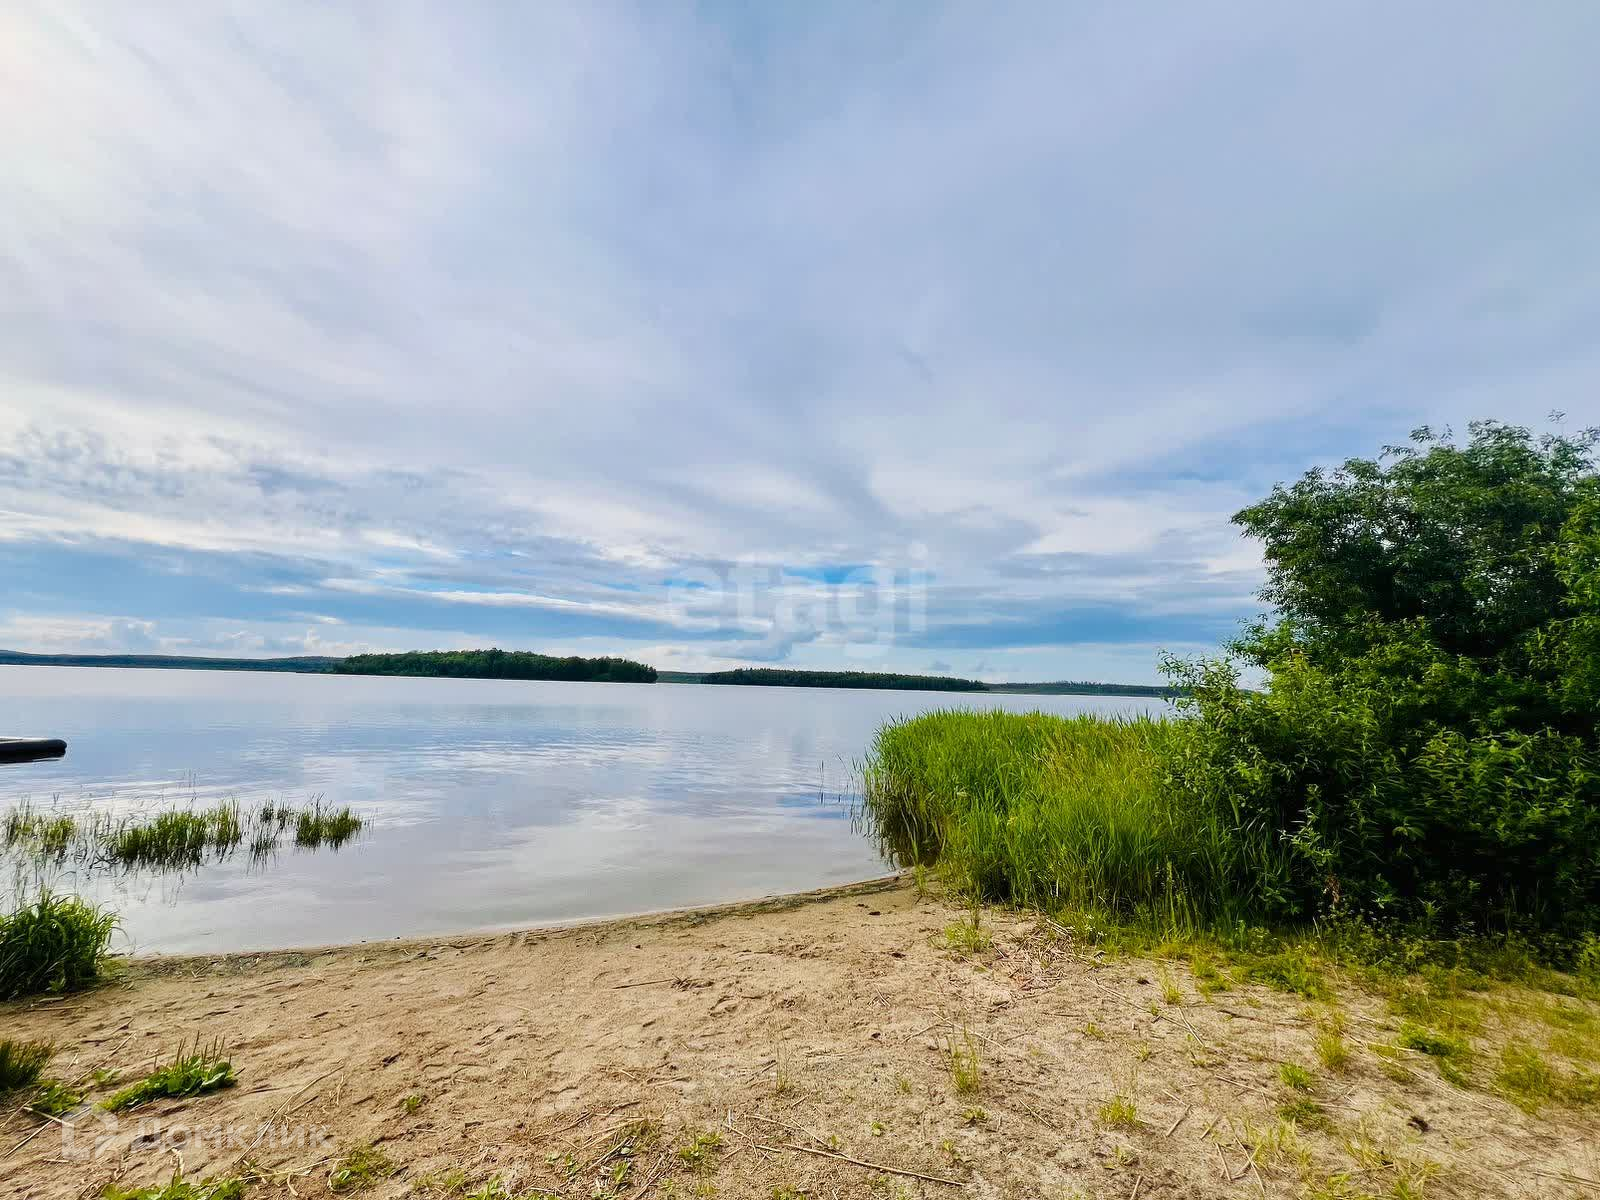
(1057, 813)
(324, 825)
(53, 944)
(175, 840)
(178, 838)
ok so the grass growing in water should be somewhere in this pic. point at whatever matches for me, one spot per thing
(175, 840)
(54, 944)
(1056, 813)
(201, 1070)
(322, 825)
(21, 1062)
(178, 839)
(48, 835)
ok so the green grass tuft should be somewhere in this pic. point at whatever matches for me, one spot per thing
(325, 826)
(967, 936)
(1120, 1112)
(54, 1099)
(1304, 1112)
(21, 1062)
(179, 1188)
(1450, 1053)
(54, 944)
(201, 1070)
(360, 1167)
(1296, 1077)
(966, 1069)
(1333, 1052)
(1049, 812)
(699, 1152)
(1290, 971)
(1530, 1081)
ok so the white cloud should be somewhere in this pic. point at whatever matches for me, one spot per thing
(532, 308)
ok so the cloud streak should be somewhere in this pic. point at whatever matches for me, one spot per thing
(455, 324)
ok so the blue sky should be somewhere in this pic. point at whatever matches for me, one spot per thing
(896, 336)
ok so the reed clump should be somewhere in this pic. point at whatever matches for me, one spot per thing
(176, 839)
(324, 825)
(1058, 813)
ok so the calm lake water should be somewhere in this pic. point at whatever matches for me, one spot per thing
(489, 804)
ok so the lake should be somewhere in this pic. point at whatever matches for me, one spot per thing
(489, 804)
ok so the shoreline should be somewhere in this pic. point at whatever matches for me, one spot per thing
(698, 914)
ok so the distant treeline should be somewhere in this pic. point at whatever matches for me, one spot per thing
(174, 662)
(497, 664)
(770, 677)
(512, 664)
(1073, 687)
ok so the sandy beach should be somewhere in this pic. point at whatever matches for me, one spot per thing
(831, 1044)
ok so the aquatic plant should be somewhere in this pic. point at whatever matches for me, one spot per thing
(325, 826)
(174, 840)
(178, 838)
(48, 835)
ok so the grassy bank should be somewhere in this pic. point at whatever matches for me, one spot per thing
(1060, 813)
(1079, 818)
(1082, 816)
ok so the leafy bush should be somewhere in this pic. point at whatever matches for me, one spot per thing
(55, 944)
(1426, 750)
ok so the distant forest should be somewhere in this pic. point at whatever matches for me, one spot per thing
(497, 664)
(305, 665)
(1073, 687)
(512, 664)
(770, 677)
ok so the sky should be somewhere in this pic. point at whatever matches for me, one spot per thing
(877, 336)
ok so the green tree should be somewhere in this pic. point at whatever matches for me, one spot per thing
(1426, 747)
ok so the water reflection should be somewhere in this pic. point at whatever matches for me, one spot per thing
(486, 804)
